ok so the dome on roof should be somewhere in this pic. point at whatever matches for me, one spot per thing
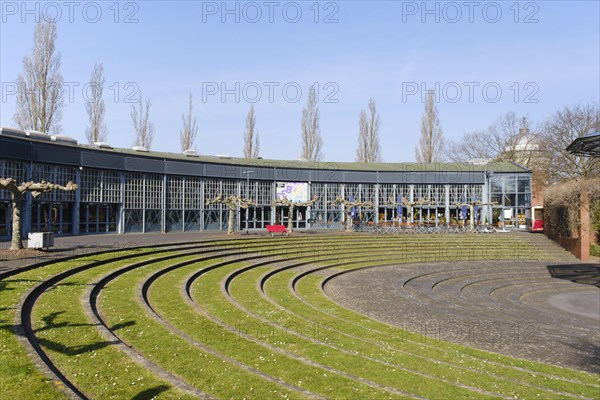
(525, 143)
(479, 161)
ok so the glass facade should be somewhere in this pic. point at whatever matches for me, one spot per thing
(119, 201)
(510, 198)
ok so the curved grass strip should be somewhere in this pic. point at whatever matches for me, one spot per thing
(73, 342)
(214, 375)
(19, 372)
(309, 288)
(234, 305)
(403, 341)
(208, 292)
(240, 346)
(20, 375)
(382, 351)
(20, 378)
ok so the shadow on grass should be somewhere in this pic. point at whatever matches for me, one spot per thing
(150, 393)
(65, 346)
(584, 274)
(5, 284)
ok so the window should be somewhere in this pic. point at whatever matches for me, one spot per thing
(154, 184)
(134, 191)
(175, 193)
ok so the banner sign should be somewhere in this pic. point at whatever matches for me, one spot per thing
(296, 192)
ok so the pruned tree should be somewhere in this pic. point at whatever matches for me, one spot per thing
(39, 100)
(144, 129)
(312, 142)
(291, 205)
(348, 205)
(251, 141)
(18, 193)
(233, 203)
(188, 133)
(368, 149)
(94, 106)
(431, 141)
(560, 130)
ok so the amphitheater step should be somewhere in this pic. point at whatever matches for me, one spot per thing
(548, 246)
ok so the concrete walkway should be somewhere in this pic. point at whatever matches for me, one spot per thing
(80, 245)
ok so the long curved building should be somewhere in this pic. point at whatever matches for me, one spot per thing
(134, 190)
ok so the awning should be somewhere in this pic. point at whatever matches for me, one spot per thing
(588, 145)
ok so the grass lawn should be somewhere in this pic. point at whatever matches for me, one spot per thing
(248, 318)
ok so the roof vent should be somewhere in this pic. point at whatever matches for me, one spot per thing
(63, 139)
(103, 145)
(223, 156)
(12, 132)
(31, 131)
(38, 135)
(479, 161)
(190, 153)
(140, 148)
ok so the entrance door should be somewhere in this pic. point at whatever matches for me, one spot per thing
(300, 217)
(282, 215)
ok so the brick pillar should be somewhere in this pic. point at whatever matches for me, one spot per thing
(584, 226)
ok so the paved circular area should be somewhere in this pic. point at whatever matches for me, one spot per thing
(511, 308)
(585, 304)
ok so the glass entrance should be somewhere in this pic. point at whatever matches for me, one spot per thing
(98, 218)
(299, 217)
(52, 217)
(282, 215)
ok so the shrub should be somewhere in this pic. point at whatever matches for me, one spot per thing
(561, 206)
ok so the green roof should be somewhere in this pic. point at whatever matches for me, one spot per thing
(348, 166)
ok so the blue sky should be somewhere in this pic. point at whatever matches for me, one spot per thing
(541, 55)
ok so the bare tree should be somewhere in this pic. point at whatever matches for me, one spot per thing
(312, 142)
(368, 149)
(509, 138)
(560, 130)
(144, 129)
(94, 106)
(39, 99)
(251, 141)
(188, 134)
(431, 141)
(472, 145)
(18, 193)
